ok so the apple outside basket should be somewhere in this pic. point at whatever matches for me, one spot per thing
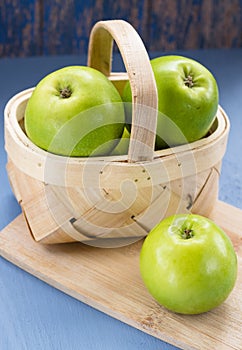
(114, 200)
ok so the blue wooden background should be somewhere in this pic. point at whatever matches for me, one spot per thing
(53, 27)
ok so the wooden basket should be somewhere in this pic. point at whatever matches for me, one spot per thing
(114, 200)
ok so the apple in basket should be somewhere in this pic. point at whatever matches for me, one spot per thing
(188, 264)
(75, 111)
(187, 100)
(123, 145)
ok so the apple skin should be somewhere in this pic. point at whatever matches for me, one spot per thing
(188, 99)
(123, 145)
(188, 276)
(75, 111)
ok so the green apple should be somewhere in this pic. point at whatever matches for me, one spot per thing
(187, 100)
(75, 111)
(188, 264)
(123, 145)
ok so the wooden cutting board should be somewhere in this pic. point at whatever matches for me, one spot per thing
(109, 280)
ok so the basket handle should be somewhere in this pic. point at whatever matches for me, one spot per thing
(141, 77)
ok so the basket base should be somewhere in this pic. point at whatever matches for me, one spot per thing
(51, 221)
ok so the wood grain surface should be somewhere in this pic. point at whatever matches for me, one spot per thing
(54, 27)
(109, 280)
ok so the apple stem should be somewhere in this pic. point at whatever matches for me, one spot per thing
(187, 233)
(188, 81)
(65, 93)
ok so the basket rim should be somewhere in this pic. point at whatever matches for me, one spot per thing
(221, 118)
(15, 138)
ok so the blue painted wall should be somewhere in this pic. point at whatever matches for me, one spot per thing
(53, 27)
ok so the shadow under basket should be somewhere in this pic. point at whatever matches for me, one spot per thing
(109, 201)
